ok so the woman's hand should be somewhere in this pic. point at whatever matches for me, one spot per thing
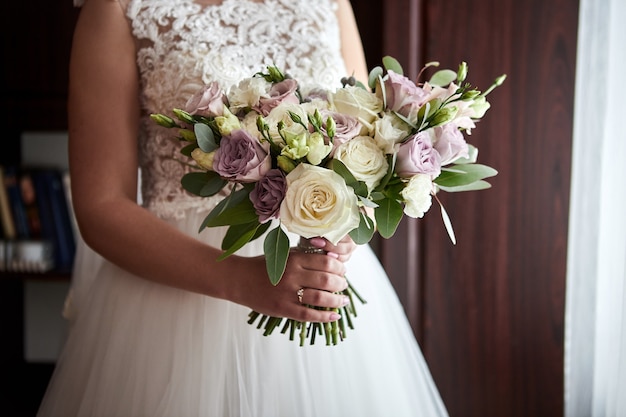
(308, 280)
(342, 250)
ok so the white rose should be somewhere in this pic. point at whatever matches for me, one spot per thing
(389, 130)
(417, 195)
(280, 113)
(365, 160)
(360, 103)
(319, 203)
(247, 93)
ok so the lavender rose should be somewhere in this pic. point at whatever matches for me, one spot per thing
(417, 156)
(241, 157)
(449, 143)
(281, 92)
(209, 101)
(403, 96)
(346, 127)
(268, 194)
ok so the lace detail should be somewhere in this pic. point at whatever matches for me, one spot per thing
(177, 54)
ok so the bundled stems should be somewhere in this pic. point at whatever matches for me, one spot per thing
(333, 332)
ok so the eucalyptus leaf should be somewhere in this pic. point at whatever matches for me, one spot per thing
(205, 137)
(388, 216)
(374, 74)
(475, 186)
(443, 78)
(203, 184)
(236, 237)
(276, 249)
(364, 232)
(458, 175)
(392, 64)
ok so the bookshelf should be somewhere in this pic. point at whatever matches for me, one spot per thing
(36, 48)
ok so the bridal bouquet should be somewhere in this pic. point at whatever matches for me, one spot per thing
(328, 163)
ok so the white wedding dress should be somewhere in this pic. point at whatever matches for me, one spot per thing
(137, 348)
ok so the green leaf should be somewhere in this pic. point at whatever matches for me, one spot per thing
(390, 63)
(390, 170)
(463, 174)
(260, 230)
(203, 184)
(234, 209)
(276, 249)
(360, 188)
(388, 216)
(443, 78)
(475, 186)
(374, 74)
(235, 231)
(236, 237)
(364, 232)
(188, 149)
(205, 137)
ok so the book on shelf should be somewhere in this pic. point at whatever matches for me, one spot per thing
(6, 218)
(41, 215)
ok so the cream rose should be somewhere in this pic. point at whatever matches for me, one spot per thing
(360, 103)
(365, 160)
(318, 203)
(417, 196)
(390, 130)
(280, 113)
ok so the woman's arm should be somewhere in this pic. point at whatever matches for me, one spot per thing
(103, 123)
(351, 45)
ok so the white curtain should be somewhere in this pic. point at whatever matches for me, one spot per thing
(595, 319)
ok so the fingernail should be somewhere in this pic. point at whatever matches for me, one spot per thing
(332, 255)
(335, 316)
(318, 242)
(345, 301)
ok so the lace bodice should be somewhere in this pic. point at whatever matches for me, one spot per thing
(183, 44)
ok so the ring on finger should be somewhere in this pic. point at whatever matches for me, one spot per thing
(300, 294)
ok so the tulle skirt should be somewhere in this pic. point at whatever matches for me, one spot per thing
(137, 348)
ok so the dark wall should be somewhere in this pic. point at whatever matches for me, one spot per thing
(489, 311)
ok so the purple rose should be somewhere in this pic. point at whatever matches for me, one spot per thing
(281, 92)
(209, 101)
(403, 96)
(241, 157)
(346, 127)
(268, 194)
(449, 143)
(417, 156)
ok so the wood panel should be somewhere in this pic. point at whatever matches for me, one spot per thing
(488, 312)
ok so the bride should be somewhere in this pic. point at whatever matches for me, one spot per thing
(158, 326)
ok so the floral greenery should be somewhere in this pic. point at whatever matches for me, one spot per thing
(325, 162)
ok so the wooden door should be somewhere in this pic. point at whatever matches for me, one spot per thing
(489, 312)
